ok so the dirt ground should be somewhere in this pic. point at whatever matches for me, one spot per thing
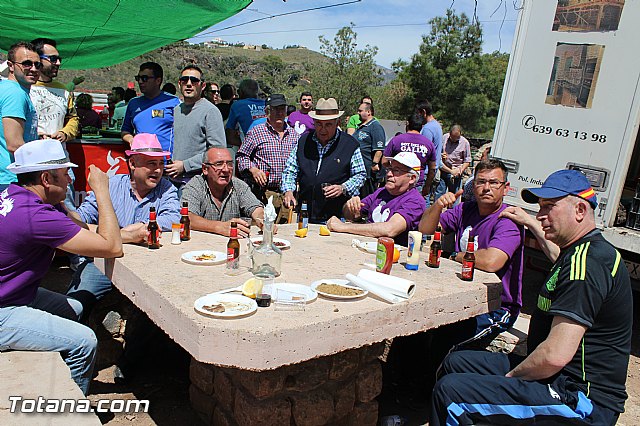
(164, 377)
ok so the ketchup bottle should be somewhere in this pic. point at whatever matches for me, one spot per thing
(384, 255)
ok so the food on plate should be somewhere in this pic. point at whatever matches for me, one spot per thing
(205, 256)
(338, 290)
(216, 308)
(278, 244)
(224, 306)
(302, 232)
(396, 255)
(324, 231)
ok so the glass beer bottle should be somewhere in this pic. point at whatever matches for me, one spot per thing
(469, 261)
(233, 248)
(153, 238)
(185, 222)
(435, 251)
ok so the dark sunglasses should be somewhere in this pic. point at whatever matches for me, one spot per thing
(28, 64)
(214, 91)
(52, 58)
(187, 78)
(142, 78)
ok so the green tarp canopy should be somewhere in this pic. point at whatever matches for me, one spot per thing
(99, 33)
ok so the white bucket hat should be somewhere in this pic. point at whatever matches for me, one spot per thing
(45, 154)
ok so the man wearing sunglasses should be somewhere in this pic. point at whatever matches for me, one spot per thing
(197, 126)
(153, 111)
(391, 211)
(18, 119)
(57, 117)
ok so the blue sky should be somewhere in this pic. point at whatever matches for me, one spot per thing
(397, 24)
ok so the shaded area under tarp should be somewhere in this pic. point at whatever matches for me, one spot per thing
(99, 33)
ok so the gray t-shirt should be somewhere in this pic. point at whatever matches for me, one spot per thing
(239, 201)
(196, 128)
(371, 138)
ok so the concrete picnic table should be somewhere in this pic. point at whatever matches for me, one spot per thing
(317, 366)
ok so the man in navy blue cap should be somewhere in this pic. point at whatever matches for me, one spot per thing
(579, 336)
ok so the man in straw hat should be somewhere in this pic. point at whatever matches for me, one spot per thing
(391, 211)
(33, 224)
(132, 197)
(579, 336)
(326, 164)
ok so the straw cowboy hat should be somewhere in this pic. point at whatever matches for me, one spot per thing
(44, 154)
(326, 109)
(147, 144)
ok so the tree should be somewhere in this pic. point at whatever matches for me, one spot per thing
(450, 70)
(349, 72)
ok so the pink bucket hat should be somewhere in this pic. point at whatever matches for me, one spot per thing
(147, 144)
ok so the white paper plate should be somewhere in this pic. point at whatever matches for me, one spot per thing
(191, 257)
(372, 247)
(246, 306)
(310, 293)
(278, 241)
(344, 283)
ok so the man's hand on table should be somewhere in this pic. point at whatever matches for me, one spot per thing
(135, 233)
(335, 224)
(174, 169)
(243, 228)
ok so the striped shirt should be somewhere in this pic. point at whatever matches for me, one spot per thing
(130, 210)
(352, 185)
(263, 148)
(239, 201)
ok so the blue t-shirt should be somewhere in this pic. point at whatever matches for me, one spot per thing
(155, 116)
(248, 113)
(433, 131)
(15, 102)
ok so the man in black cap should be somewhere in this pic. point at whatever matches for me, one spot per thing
(579, 336)
(263, 154)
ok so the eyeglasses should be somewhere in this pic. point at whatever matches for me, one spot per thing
(219, 165)
(493, 184)
(29, 64)
(215, 92)
(187, 78)
(52, 58)
(142, 78)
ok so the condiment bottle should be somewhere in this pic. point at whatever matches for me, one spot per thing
(153, 238)
(469, 261)
(384, 255)
(185, 222)
(303, 217)
(435, 251)
(233, 248)
(413, 255)
(175, 233)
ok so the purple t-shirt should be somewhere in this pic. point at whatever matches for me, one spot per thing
(491, 231)
(416, 143)
(381, 206)
(30, 231)
(302, 123)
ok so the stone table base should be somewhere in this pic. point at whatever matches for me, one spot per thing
(337, 389)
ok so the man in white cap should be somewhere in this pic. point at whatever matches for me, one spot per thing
(391, 211)
(326, 164)
(132, 197)
(33, 224)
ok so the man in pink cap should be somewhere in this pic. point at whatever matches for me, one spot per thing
(391, 211)
(132, 196)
